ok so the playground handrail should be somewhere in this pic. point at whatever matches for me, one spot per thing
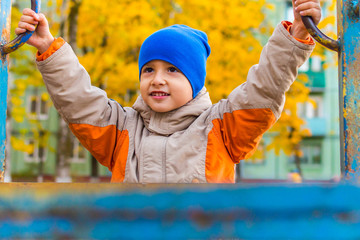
(21, 38)
(319, 36)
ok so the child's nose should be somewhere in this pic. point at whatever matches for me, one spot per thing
(159, 78)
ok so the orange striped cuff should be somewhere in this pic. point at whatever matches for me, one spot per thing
(56, 44)
(288, 26)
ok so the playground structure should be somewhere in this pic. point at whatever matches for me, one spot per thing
(52, 210)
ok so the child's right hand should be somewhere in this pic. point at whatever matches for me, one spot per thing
(42, 38)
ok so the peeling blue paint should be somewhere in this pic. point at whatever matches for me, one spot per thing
(187, 211)
(353, 12)
(4, 18)
(349, 69)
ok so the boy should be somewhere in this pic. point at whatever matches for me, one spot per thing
(173, 133)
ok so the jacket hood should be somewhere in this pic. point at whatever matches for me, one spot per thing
(178, 119)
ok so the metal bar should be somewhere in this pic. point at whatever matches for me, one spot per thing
(349, 82)
(154, 211)
(22, 38)
(319, 36)
(5, 6)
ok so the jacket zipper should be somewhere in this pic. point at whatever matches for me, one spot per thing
(164, 177)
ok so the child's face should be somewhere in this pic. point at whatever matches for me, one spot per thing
(163, 87)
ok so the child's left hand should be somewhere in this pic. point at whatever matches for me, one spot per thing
(304, 8)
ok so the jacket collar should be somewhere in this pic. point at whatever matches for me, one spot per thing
(176, 120)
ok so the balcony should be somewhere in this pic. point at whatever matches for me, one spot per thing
(317, 126)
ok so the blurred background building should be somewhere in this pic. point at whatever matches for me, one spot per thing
(35, 142)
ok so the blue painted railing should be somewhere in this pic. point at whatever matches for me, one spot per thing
(5, 7)
(121, 211)
(349, 80)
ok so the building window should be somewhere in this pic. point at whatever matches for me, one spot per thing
(78, 153)
(38, 108)
(317, 111)
(289, 14)
(38, 154)
(305, 67)
(314, 109)
(311, 153)
(313, 64)
(316, 64)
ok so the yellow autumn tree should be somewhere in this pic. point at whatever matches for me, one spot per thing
(109, 40)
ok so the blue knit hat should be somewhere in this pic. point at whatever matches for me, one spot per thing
(182, 46)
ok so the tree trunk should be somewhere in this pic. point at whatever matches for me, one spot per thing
(64, 152)
(238, 176)
(298, 160)
(73, 24)
(7, 162)
(94, 170)
(40, 177)
(296, 150)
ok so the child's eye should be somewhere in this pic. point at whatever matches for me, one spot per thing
(148, 70)
(173, 69)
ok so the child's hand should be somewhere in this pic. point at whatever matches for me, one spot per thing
(42, 38)
(304, 8)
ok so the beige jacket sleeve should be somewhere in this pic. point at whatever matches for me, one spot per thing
(277, 69)
(71, 91)
(253, 107)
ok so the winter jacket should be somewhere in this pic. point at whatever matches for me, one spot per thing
(199, 142)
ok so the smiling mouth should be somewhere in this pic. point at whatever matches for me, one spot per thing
(159, 94)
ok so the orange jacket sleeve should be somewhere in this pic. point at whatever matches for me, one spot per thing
(288, 26)
(56, 44)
